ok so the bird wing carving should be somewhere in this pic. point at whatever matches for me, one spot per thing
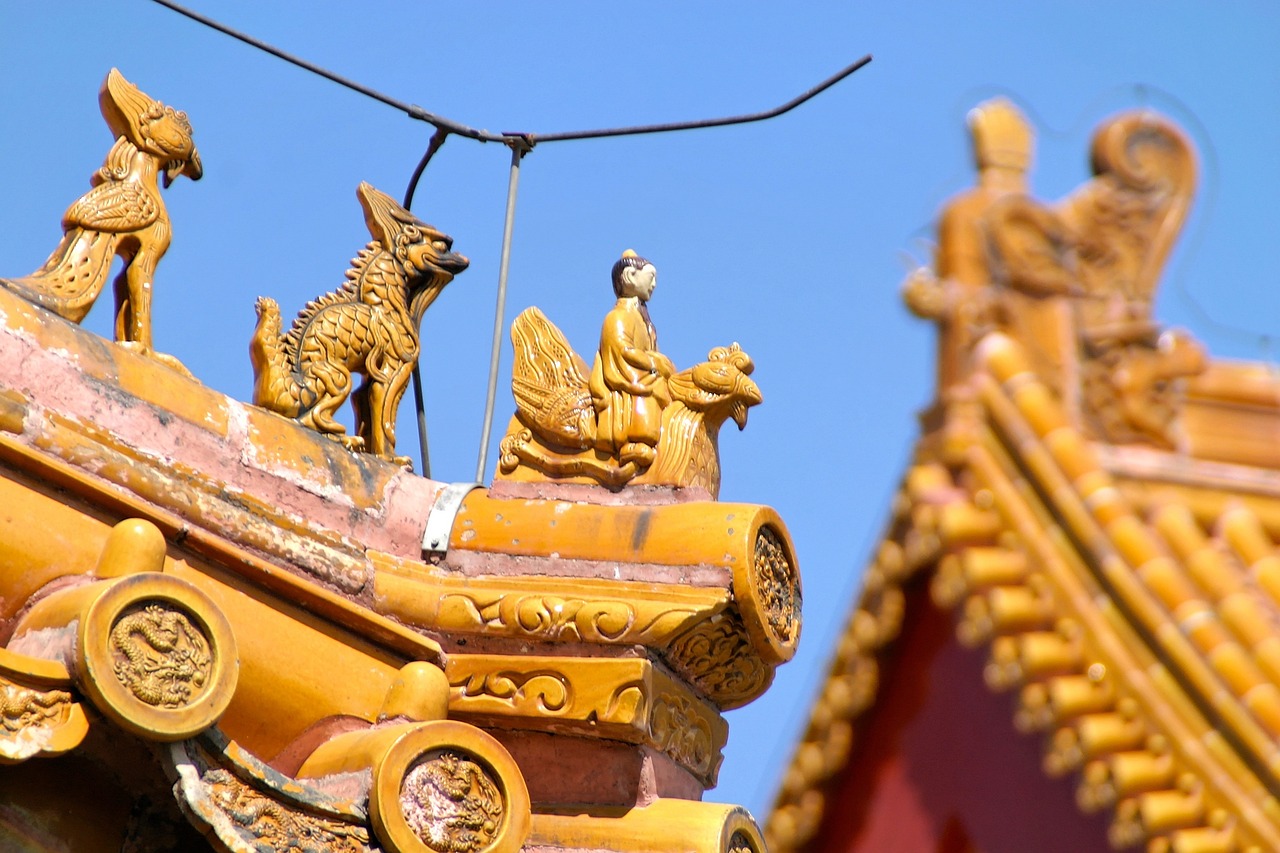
(114, 206)
(1127, 218)
(548, 380)
(1032, 245)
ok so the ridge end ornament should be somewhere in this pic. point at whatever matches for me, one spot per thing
(1072, 281)
(122, 214)
(633, 419)
(368, 326)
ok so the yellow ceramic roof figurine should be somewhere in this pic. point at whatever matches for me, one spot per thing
(634, 419)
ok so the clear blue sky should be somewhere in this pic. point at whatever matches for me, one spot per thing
(788, 237)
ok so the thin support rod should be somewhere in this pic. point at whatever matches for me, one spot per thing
(419, 404)
(437, 139)
(420, 409)
(517, 153)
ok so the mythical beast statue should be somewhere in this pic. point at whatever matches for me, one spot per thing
(123, 214)
(368, 326)
(632, 419)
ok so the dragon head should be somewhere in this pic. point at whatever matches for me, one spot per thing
(425, 253)
(719, 387)
(161, 131)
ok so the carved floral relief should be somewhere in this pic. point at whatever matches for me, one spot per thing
(628, 699)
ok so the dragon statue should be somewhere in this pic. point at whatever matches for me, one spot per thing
(122, 214)
(368, 326)
(554, 430)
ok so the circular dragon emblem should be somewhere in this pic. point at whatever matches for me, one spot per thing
(452, 803)
(776, 581)
(159, 655)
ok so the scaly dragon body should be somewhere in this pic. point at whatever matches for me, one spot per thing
(368, 326)
(365, 322)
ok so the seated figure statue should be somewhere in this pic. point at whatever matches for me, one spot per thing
(636, 420)
(629, 378)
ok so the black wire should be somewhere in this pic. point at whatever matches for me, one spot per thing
(419, 403)
(519, 142)
(527, 140)
(412, 110)
(536, 138)
(437, 139)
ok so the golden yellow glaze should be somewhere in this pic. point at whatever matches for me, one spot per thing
(156, 656)
(52, 538)
(40, 714)
(283, 644)
(242, 609)
(461, 754)
(123, 214)
(13, 411)
(65, 539)
(701, 827)
(420, 691)
(702, 533)
(368, 326)
(626, 699)
(602, 611)
(635, 419)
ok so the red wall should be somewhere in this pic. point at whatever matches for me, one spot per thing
(939, 767)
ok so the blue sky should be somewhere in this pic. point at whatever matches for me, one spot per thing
(790, 237)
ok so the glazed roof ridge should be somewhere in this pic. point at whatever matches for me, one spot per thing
(1204, 604)
(1163, 590)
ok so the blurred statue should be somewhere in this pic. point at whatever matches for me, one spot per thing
(1072, 282)
(957, 292)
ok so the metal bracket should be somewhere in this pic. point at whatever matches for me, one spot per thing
(435, 539)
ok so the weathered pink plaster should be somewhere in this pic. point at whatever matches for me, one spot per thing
(214, 471)
(49, 644)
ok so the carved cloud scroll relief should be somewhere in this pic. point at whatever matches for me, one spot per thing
(368, 326)
(1072, 282)
(122, 214)
(631, 419)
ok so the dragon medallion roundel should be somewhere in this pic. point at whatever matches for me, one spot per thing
(452, 803)
(159, 655)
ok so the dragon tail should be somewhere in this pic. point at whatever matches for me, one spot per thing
(273, 385)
